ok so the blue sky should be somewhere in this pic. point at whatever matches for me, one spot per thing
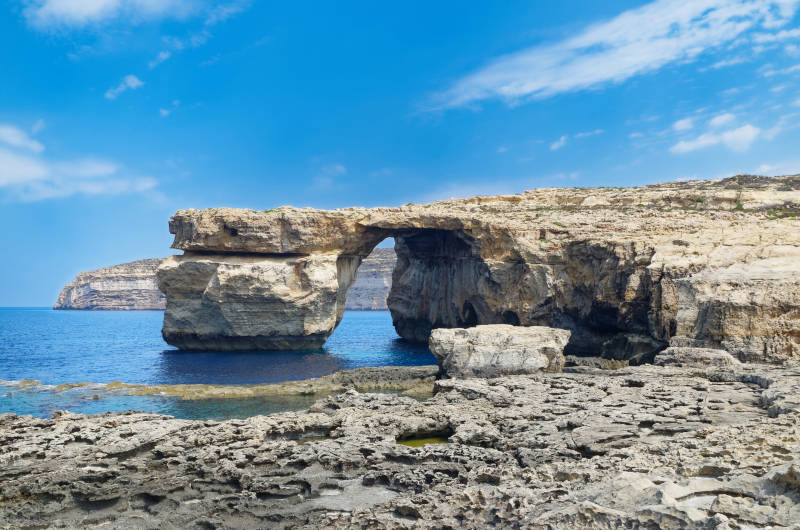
(116, 113)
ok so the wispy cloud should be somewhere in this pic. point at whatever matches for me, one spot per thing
(326, 177)
(735, 139)
(164, 112)
(589, 133)
(684, 124)
(26, 175)
(160, 58)
(54, 14)
(558, 144)
(637, 41)
(129, 82)
(16, 137)
(721, 119)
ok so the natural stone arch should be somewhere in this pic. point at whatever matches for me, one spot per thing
(623, 280)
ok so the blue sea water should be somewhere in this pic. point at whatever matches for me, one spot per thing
(57, 347)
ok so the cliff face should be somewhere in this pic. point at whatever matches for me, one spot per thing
(133, 286)
(373, 282)
(123, 287)
(625, 269)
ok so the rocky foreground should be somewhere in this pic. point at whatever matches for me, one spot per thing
(676, 446)
(132, 286)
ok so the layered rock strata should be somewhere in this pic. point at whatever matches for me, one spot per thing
(624, 269)
(639, 447)
(133, 286)
(129, 286)
(498, 349)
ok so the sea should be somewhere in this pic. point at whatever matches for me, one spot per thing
(41, 348)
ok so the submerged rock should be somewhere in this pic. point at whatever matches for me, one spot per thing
(624, 269)
(499, 349)
(638, 447)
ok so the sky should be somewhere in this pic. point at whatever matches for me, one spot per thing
(116, 113)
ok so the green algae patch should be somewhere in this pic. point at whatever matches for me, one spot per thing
(70, 386)
(419, 442)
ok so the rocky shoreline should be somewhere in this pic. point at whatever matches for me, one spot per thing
(639, 447)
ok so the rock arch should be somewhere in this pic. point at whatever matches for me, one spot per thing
(625, 280)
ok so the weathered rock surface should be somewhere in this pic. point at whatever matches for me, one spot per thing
(498, 349)
(121, 287)
(133, 286)
(638, 447)
(624, 269)
(703, 357)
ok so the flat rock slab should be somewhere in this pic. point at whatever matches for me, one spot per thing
(498, 349)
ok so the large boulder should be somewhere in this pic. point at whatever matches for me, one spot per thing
(498, 349)
(695, 357)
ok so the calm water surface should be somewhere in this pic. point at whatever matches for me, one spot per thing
(56, 347)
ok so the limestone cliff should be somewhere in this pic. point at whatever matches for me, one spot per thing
(624, 269)
(373, 282)
(123, 287)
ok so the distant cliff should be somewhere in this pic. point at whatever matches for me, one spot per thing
(373, 282)
(132, 286)
(123, 287)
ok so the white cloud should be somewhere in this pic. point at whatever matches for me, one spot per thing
(558, 144)
(776, 37)
(129, 82)
(326, 178)
(728, 62)
(502, 149)
(160, 58)
(38, 126)
(223, 12)
(796, 103)
(783, 71)
(16, 137)
(635, 135)
(51, 14)
(26, 175)
(735, 139)
(684, 124)
(637, 41)
(589, 133)
(722, 119)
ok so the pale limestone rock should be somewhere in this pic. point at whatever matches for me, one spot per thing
(253, 302)
(373, 282)
(134, 286)
(699, 357)
(499, 349)
(625, 269)
(639, 447)
(129, 286)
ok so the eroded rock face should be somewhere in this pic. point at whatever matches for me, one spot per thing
(121, 287)
(498, 349)
(624, 269)
(639, 447)
(220, 302)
